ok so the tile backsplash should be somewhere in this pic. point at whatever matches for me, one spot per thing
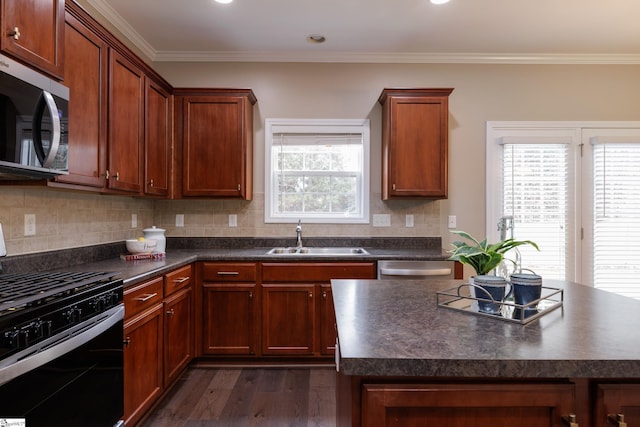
(67, 219)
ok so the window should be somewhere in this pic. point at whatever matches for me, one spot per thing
(317, 171)
(573, 188)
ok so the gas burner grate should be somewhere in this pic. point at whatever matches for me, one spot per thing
(19, 291)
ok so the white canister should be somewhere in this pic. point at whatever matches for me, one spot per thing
(156, 234)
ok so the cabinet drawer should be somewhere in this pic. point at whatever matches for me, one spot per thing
(177, 279)
(229, 272)
(317, 271)
(143, 296)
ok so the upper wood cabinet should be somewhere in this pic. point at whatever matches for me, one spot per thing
(157, 139)
(33, 31)
(415, 143)
(126, 124)
(86, 56)
(217, 142)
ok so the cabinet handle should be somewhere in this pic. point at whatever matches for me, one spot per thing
(570, 420)
(238, 187)
(151, 183)
(228, 273)
(126, 341)
(117, 176)
(181, 279)
(147, 297)
(617, 420)
(170, 313)
(15, 33)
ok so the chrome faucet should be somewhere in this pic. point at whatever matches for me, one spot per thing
(299, 235)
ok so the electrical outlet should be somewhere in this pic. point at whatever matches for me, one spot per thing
(408, 221)
(179, 220)
(134, 220)
(382, 220)
(233, 220)
(29, 224)
(452, 221)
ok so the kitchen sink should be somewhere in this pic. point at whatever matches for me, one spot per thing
(317, 251)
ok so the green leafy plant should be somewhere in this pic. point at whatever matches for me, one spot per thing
(483, 256)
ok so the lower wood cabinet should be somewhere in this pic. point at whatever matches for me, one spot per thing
(467, 405)
(619, 402)
(143, 334)
(158, 338)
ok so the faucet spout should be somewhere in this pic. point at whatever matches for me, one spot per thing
(299, 234)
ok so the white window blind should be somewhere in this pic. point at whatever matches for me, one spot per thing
(317, 171)
(616, 210)
(536, 181)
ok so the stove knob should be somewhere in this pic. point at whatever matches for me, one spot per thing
(99, 304)
(73, 315)
(11, 338)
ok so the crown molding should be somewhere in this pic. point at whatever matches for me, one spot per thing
(354, 57)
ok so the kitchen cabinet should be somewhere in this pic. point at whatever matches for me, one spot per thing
(33, 31)
(297, 307)
(86, 57)
(415, 143)
(525, 405)
(217, 142)
(230, 308)
(143, 336)
(157, 139)
(613, 400)
(126, 124)
(178, 322)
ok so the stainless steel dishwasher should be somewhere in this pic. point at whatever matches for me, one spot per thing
(413, 269)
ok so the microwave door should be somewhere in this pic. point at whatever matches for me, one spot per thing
(46, 102)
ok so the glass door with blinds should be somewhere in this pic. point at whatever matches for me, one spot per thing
(573, 188)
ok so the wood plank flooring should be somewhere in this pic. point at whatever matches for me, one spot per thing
(249, 397)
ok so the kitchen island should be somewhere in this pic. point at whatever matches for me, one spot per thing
(405, 361)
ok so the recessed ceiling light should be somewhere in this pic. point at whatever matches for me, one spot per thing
(316, 38)
(223, 1)
(439, 1)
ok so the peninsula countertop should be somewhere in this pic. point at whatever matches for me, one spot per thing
(395, 328)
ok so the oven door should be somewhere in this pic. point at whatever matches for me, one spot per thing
(80, 383)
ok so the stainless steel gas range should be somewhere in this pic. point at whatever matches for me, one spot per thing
(61, 360)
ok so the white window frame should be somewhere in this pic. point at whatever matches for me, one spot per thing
(579, 133)
(315, 126)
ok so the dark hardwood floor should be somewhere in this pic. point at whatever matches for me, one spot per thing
(249, 397)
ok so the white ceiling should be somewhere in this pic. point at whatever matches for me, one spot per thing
(489, 31)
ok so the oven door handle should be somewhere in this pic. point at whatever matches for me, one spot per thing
(58, 345)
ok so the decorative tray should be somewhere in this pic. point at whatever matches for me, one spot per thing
(461, 298)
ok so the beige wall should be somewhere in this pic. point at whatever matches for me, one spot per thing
(482, 93)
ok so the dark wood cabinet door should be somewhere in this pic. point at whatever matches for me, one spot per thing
(142, 363)
(157, 140)
(217, 146)
(614, 399)
(230, 320)
(327, 321)
(462, 405)
(288, 319)
(415, 143)
(178, 329)
(33, 31)
(86, 60)
(126, 124)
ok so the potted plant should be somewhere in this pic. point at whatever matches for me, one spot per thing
(484, 257)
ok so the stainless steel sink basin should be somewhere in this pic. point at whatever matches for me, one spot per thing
(317, 251)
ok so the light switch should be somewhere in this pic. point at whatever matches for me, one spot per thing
(452, 221)
(29, 224)
(233, 220)
(179, 220)
(408, 221)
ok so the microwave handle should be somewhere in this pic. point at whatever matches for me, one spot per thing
(46, 100)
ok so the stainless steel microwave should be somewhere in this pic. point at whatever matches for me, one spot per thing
(33, 123)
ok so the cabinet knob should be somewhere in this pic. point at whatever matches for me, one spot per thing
(570, 420)
(310, 294)
(151, 183)
(617, 420)
(250, 295)
(15, 33)
(117, 176)
(126, 341)
(170, 313)
(324, 294)
(393, 187)
(238, 187)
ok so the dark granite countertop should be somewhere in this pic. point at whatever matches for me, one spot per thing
(395, 328)
(182, 251)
